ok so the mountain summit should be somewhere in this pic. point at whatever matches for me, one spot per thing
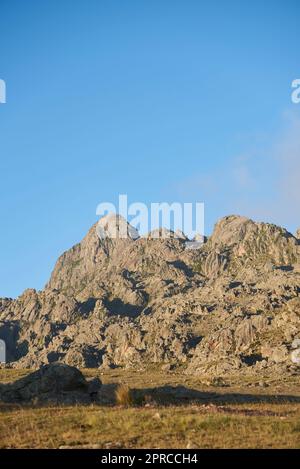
(231, 306)
(114, 226)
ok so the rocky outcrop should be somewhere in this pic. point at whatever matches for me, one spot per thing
(232, 304)
(57, 383)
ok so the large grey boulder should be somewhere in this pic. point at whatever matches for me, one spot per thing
(55, 382)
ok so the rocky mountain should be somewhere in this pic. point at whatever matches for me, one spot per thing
(231, 306)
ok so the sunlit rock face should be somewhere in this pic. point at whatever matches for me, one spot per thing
(230, 306)
(115, 226)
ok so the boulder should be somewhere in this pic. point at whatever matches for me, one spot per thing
(55, 382)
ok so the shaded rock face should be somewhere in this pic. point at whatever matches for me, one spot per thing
(56, 382)
(233, 304)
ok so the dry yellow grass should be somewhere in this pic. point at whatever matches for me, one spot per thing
(226, 418)
(155, 427)
(124, 395)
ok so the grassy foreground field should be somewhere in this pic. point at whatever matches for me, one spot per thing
(170, 412)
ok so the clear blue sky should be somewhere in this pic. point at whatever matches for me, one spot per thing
(163, 100)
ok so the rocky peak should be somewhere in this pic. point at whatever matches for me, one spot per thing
(105, 240)
(114, 226)
(137, 301)
(231, 230)
(255, 241)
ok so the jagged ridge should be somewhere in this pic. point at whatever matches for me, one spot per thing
(234, 304)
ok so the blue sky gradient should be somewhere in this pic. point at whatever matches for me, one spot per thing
(161, 100)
